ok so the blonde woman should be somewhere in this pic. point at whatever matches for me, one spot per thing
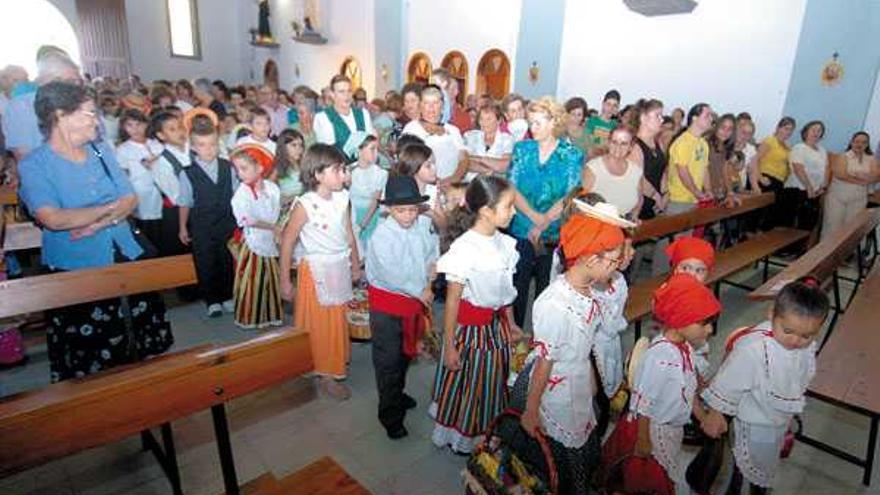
(543, 170)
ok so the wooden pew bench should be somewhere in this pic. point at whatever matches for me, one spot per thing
(847, 368)
(666, 225)
(70, 416)
(727, 262)
(823, 261)
(8, 196)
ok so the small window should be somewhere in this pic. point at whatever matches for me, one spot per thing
(183, 28)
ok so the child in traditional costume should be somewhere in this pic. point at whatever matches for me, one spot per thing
(400, 268)
(558, 378)
(762, 381)
(665, 389)
(256, 205)
(367, 183)
(328, 264)
(469, 388)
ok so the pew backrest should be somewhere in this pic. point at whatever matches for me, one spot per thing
(664, 225)
(824, 258)
(74, 415)
(57, 290)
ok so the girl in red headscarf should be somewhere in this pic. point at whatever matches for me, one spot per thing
(256, 206)
(665, 388)
(557, 384)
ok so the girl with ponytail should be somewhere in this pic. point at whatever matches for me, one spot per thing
(469, 388)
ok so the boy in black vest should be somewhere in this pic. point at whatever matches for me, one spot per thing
(206, 219)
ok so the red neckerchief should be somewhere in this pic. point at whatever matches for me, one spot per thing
(685, 351)
(254, 188)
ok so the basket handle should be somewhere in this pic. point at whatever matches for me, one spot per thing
(542, 441)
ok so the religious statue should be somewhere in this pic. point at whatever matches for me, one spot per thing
(264, 32)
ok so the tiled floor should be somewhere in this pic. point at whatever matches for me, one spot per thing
(282, 429)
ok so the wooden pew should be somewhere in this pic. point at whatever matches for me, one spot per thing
(727, 262)
(8, 196)
(823, 260)
(57, 290)
(665, 225)
(71, 416)
(846, 370)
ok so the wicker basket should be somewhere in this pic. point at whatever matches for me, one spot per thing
(494, 469)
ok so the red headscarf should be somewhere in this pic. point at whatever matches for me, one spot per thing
(682, 301)
(690, 247)
(582, 236)
(259, 154)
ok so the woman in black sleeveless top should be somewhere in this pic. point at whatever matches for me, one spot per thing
(652, 158)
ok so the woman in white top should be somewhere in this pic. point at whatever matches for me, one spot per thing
(489, 148)
(809, 178)
(450, 153)
(851, 174)
(745, 134)
(618, 180)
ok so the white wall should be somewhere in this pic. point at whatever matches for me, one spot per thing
(736, 55)
(348, 27)
(222, 33)
(872, 120)
(472, 27)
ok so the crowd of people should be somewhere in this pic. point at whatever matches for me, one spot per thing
(431, 199)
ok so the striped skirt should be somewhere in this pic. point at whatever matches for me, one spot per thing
(467, 400)
(257, 290)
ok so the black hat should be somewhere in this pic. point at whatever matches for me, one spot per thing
(402, 190)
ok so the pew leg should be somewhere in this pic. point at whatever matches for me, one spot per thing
(224, 447)
(837, 309)
(872, 446)
(766, 272)
(173, 471)
(165, 455)
(145, 440)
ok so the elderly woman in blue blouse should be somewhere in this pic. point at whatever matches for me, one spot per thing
(75, 189)
(544, 170)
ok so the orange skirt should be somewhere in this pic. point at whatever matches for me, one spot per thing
(326, 325)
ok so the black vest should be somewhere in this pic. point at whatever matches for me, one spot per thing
(212, 207)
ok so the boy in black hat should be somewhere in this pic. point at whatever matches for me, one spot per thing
(400, 268)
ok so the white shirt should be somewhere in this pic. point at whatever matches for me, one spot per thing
(760, 381)
(130, 155)
(184, 106)
(324, 233)
(399, 259)
(265, 207)
(815, 162)
(620, 190)
(164, 175)
(431, 192)
(484, 265)
(665, 383)
(447, 148)
(565, 323)
(249, 139)
(608, 350)
(475, 141)
(324, 129)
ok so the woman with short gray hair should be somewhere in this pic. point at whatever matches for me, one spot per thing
(80, 197)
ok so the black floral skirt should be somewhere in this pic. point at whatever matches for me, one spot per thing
(87, 338)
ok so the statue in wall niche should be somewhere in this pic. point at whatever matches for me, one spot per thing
(264, 32)
(307, 31)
